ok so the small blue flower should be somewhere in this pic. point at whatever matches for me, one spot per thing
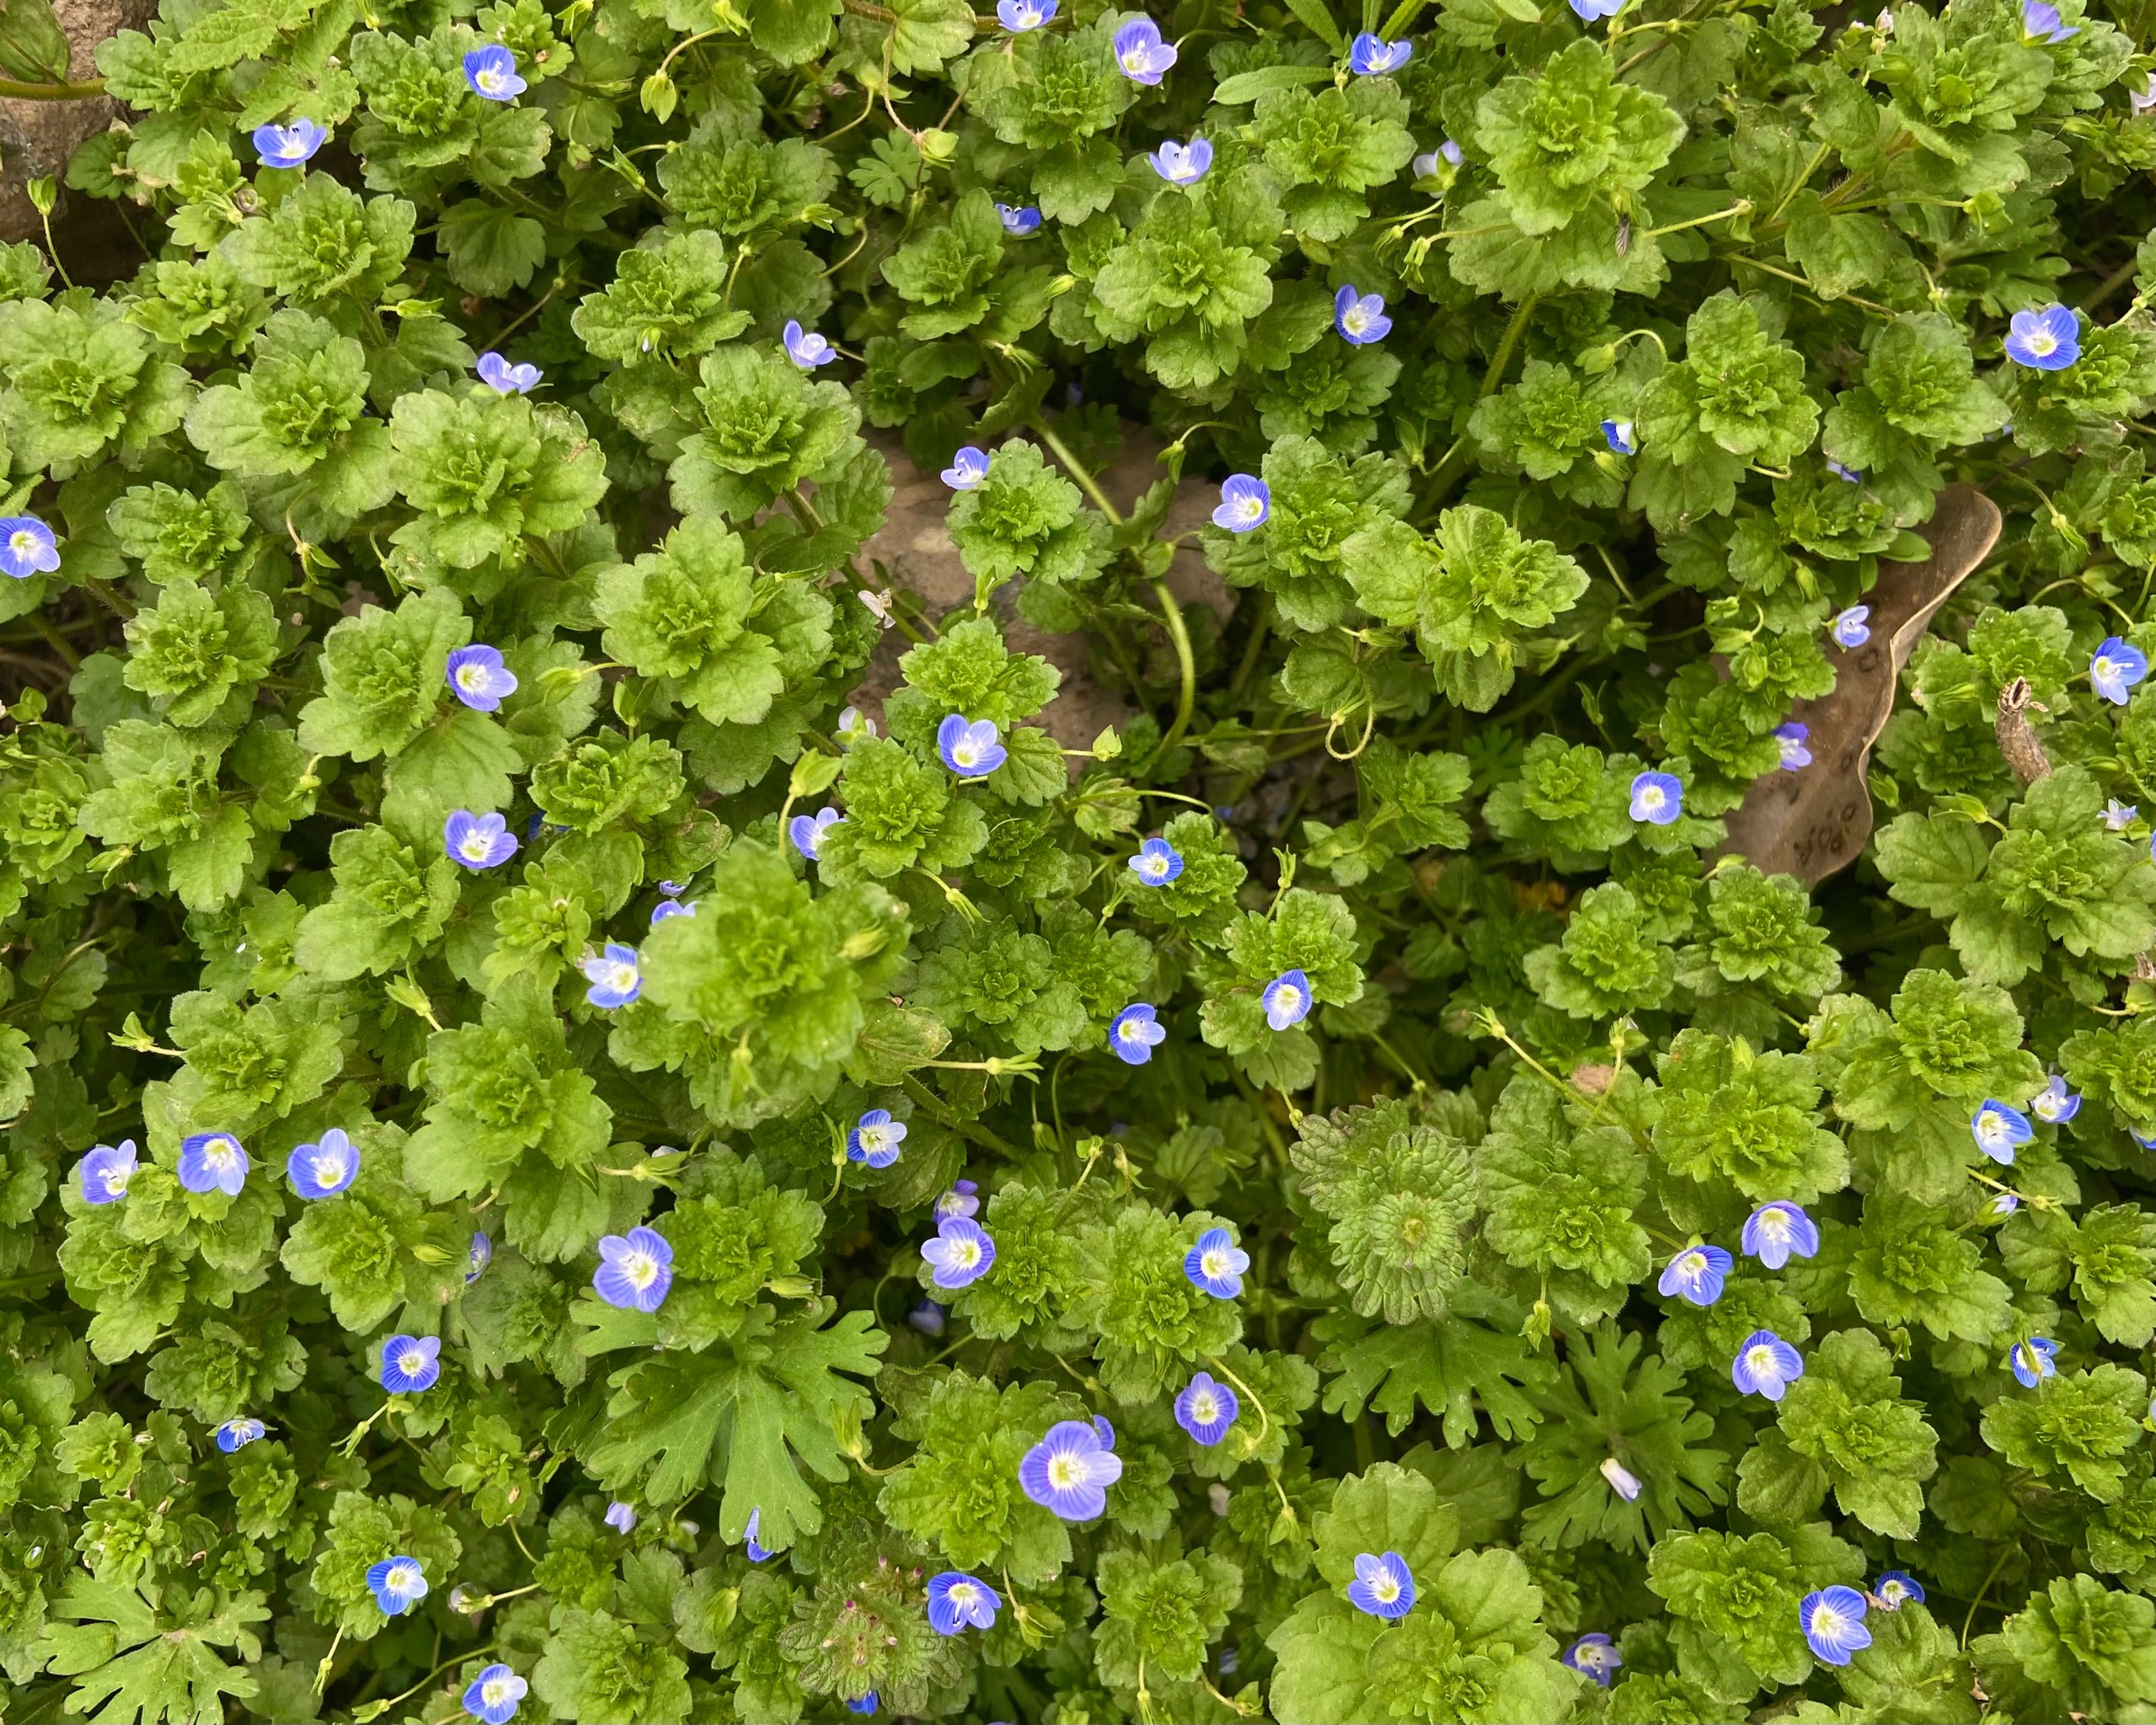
(963, 1199)
(1360, 318)
(1697, 1274)
(2116, 668)
(1592, 1656)
(967, 469)
(635, 1270)
(1998, 1129)
(2054, 1104)
(969, 746)
(668, 908)
(1851, 628)
(1139, 54)
(1216, 1263)
(807, 349)
(807, 831)
(2045, 340)
(1020, 16)
(477, 1259)
(27, 547)
(2000, 1206)
(212, 1162)
(1896, 1589)
(1774, 1233)
(1286, 999)
(875, 1139)
(2041, 23)
(957, 1599)
(620, 1516)
(289, 145)
(491, 72)
(1833, 1623)
(1853, 476)
(1205, 1409)
(1181, 164)
(325, 1169)
(492, 1696)
(397, 1584)
(1069, 1471)
(1157, 864)
(2119, 816)
(927, 1317)
(105, 1173)
(410, 1364)
(1107, 1432)
(1619, 436)
(1018, 220)
(1622, 1480)
(237, 1433)
(1791, 739)
(1370, 55)
(477, 841)
(863, 1704)
(478, 678)
(1657, 798)
(506, 379)
(1590, 10)
(614, 976)
(1135, 1033)
(1383, 1585)
(756, 1553)
(960, 1254)
(1765, 1365)
(2032, 1361)
(1245, 502)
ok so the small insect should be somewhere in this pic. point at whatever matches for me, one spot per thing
(1624, 235)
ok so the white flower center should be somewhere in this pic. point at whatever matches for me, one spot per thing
(1828, 1622)
(1356, 320)
(1385, 1589)
(1693, 1265)
(116, 1180)
(401, 1579)
(1132, 1030)
(491, 80)
(965, 1254)
(1652, 797)
(22, 541)
(967, 753)
(411, 1363)
(471, 678)
(1214, 1263)
(329, 1168)
(621, 978)
(494, 1692)
(1064, 1472)
(218, 1153)
(1289, 997)
(1774, 1224)
(963, 1594)
(1134, 59)
(1250, 508)
(1761, 1359)
(1204, 1407)
(641, 1269)
(2042, 343)
(474, 847)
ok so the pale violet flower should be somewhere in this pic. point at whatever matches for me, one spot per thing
(1182, 164)
(1245, 502)
(1139, 54)
(1372, 56)
(504, 378)
(491, 72)
(967, 469)
(289, 145)
(1851, 628)
(1360, 318)
(1020, 16)
(806, 348)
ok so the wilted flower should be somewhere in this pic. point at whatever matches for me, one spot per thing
(1850, 628)
(2032, 1361)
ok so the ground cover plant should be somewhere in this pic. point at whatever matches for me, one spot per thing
(558, 1165)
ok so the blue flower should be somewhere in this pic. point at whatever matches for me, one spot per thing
(491, 72)
(1998, 1129)
(410, 1364)
(478, 1258)
(2119, 816)
(1216, 1263)
(1018, 220)
(1107, 1431)
(1765, 1365)
(1791, 739)
(2045, 340)
(1833, 1623)
(1853, 475)
(2032, 1361)
(2054, 1104)
(874, 1139)
(967, 469)
(212, 1162)
(237, 1433)
(1773, 1233)
(1140, 53)
(1619, 435)
(477, 841)
(323, 1170)
(1850, 628)
(1069, 1471)
(807, 349)
(963, 1199)
(27, 547)
(1593, 1657)
(864, 1703)
(669, 907)
(2001, 1205)
(478, 678)
(807, 831)
(1135, 1033)
(105, 1173)
(506, 379)
(1245, 502)
(635, 1270)
(492, 1696)
(620, 1516)
(957, 1599)
(1180, 164)
(961, 1254)
(1896, 1589)
(927, 1317)
(397, 1584)
(1286, 999)
(1622, 1480)
(969, 746)
(1657, 798)
(756, 1553)
(1157, 864)
(1382, 1586)
(289, 145)
(1020, 16)
(1369, 56)
(2116, 668)
(1590, 10)
(1205, 1409)
(2041, 23)
(1697, 1274)
(613, 975)
(1360, 318)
